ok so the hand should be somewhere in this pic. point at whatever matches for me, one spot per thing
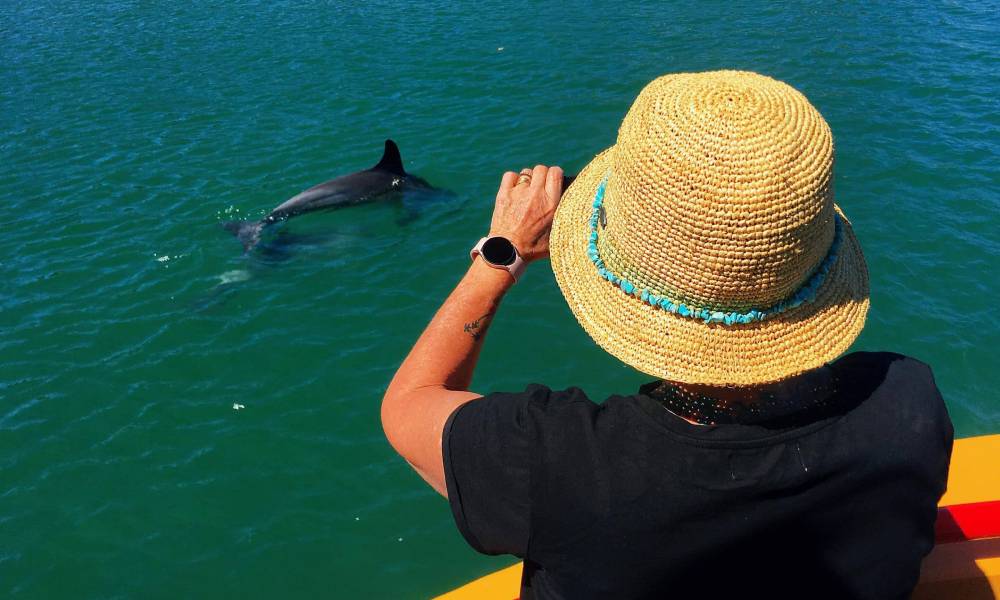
(523, 212)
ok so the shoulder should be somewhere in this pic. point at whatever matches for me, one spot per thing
(542, 397)
(550, 426)
(497, 451)
(887, 374)
(898, 395)
(528, 413)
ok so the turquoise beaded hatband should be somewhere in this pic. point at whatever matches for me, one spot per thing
(805, 293)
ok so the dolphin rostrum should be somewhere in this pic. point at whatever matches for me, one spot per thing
(363, 186)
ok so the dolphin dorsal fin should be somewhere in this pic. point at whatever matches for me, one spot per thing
(391, 160)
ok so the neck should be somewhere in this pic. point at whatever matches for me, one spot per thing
(708, 404)
(698, 404)
(719, 392)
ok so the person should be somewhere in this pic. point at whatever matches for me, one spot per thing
(704, 249)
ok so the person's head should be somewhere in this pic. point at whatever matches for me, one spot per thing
(705, 246)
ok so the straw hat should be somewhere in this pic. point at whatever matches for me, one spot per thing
(705, 246)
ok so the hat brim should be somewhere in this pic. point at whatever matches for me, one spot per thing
(687, 350)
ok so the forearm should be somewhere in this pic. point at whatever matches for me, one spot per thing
(433, 381)
(445, 355)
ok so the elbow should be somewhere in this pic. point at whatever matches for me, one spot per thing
(390, 415)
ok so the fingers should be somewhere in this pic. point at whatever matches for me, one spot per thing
(535, 181)
(554, 183)
(525, 207)
(507, 182)
(538, 178)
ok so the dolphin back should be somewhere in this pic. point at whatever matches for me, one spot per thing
(247, 232)
(387, 175)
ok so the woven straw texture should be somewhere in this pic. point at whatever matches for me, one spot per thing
(719, 195)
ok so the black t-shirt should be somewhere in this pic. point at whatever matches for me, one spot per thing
(626, 500)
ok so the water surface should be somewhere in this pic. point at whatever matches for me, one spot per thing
(130, 322)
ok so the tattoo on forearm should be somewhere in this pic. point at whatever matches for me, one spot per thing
(477, 328)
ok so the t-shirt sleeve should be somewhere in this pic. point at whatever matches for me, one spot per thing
(489, 447)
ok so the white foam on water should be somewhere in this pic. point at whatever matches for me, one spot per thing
(234, 276)
(229, 211)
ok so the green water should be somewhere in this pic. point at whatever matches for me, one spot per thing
(130, 322)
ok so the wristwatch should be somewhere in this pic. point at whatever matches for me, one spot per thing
(499, 253)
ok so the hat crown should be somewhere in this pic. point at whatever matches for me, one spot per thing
(720, 191)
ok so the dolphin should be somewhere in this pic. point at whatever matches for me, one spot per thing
(369, 185)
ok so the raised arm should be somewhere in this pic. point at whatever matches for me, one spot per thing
(434, 378)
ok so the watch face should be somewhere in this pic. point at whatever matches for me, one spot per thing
(499, 251)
